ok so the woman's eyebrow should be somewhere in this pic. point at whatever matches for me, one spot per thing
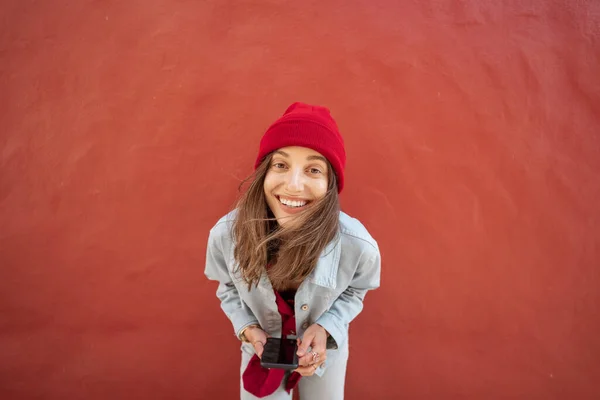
(309, 158)
(317, 158)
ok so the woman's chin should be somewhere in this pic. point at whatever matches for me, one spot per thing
(286, 221)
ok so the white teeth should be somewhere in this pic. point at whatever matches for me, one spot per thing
(292, 203)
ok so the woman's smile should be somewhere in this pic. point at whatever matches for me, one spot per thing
(296, 178)
(292, 206)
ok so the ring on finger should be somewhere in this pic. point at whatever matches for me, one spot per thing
(315, 356)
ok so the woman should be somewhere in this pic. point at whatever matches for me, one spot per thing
(289, 263)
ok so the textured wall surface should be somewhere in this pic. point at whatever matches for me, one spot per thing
(473, 138)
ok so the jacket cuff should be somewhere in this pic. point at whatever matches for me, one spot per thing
(241, 320)
(338, 331)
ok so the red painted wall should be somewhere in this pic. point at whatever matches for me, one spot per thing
(473, 138)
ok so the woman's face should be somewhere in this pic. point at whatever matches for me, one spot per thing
(297, 176)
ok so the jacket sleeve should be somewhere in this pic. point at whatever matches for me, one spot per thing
(350, 303)
(216, 269)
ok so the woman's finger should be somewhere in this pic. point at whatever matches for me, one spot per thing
(305, 361)
(259, 347)
(309, 370)
(310, 358)
(305, 344)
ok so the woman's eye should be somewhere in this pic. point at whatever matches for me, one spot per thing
(315, 171)
(279, 165)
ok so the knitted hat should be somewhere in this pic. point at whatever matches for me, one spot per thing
(307, 126)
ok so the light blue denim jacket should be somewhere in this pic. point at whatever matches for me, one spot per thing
(331, 296)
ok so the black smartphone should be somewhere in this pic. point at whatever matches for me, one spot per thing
(280, 353)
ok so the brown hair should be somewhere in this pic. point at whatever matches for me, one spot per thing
(291, 251)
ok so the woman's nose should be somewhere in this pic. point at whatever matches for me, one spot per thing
(295, 180)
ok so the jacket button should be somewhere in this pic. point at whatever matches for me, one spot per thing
(305, 325)
(304, 307)
(292, 333)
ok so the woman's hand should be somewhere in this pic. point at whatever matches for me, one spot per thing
(314, 337)
(258, 338)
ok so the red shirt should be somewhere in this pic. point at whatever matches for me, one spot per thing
(261, 381)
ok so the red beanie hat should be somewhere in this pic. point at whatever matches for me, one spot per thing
(307, 126)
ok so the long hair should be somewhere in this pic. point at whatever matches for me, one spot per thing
(291, 252)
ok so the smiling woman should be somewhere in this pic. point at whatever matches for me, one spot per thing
(290, 263)
(296, 177)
